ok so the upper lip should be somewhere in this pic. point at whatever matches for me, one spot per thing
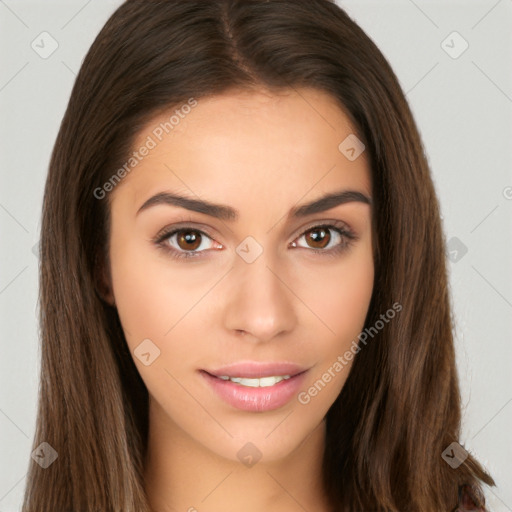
(256, 370)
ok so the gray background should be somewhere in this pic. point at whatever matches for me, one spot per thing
(463, 107)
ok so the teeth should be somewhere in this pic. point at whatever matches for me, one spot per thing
(255, 383)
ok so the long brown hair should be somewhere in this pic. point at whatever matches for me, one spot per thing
(400, 408)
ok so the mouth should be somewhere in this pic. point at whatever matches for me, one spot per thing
(263, 382)
(256, 387)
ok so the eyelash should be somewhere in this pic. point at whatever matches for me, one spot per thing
(347, 235)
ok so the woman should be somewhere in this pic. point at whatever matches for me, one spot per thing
(267, 369)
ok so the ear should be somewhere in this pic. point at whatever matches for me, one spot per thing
(103, 281)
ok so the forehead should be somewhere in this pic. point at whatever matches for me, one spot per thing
(276, 145)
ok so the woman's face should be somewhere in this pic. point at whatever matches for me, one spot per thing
(273, 283)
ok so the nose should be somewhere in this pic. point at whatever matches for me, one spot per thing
(260, 300)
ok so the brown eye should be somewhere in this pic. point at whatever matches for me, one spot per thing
(185, 242)
(318, 238)
(188, 240)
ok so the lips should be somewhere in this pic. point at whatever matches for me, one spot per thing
(257, 370)
(253, 388)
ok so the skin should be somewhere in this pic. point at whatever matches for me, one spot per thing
(261, 153)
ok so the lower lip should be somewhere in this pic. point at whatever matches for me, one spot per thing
(258, 399)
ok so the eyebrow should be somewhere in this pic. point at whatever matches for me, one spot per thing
(228, 213)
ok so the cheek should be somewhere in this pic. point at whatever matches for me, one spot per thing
(340, 294)
(163, 301)
(152, 295)
(142, 298)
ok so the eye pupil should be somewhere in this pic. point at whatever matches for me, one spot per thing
(319, 238)
(192, 240)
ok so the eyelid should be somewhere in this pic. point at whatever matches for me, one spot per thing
(203, 229)
(184, 225)
(325, 222)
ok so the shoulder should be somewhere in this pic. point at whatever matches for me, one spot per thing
(470, 499)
